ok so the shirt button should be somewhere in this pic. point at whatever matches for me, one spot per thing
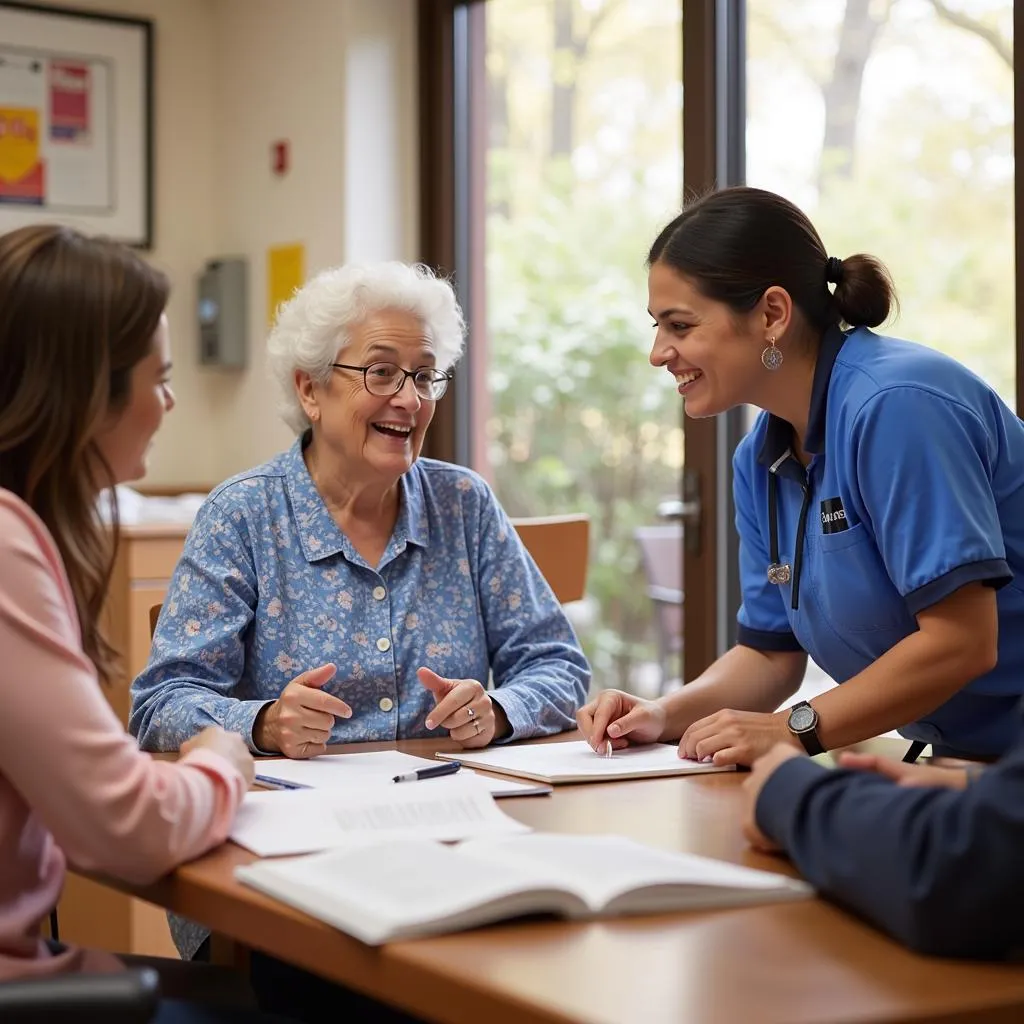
(383, 644)
(386, 704)
(379, 593)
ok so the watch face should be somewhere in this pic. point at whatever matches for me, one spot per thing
(802, 719)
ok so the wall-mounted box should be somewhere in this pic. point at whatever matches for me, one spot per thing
(222, 308)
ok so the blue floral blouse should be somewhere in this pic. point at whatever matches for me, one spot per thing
(268, 586)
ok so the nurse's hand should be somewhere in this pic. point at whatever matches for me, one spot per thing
(910, 775)
(620, 719)
(760, 772)
(736, 737)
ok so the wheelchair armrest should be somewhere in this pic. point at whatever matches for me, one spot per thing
(124, 997)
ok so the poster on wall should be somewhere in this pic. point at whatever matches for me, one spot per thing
(75, 121)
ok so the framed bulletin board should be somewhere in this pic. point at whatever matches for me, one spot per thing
(76, 125)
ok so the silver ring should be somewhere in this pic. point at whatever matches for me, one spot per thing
(479, 728)
(470, 713)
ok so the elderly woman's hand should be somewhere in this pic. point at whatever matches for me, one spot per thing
(299, 723)
(463, 707)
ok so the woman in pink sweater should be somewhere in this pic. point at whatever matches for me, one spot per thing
(85, 383)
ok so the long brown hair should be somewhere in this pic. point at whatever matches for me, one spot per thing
(76, 315)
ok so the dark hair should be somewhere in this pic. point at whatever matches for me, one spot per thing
(736, 243)
(76, 315)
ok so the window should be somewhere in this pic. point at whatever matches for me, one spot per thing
(557, 153)
(891, 124)
(583, 141)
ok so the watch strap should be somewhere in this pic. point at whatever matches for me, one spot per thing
(808, 737)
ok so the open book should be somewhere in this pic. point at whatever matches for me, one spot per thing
(576, 762)
(406, 889)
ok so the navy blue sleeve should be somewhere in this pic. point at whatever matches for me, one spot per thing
(939, 870)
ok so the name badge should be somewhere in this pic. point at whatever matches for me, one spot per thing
(833, 516)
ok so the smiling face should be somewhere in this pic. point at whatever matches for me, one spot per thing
(713, 352)
(373, 435)
(127, 437)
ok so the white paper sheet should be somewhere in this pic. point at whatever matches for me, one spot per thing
(340, 771)
(273, 824)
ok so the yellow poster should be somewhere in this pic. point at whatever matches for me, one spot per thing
(286, 272)
(21, 168)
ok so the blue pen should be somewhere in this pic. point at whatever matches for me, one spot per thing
(269, 780)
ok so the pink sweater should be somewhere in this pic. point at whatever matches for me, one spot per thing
(73, 784)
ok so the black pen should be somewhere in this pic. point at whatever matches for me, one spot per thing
(435, 771)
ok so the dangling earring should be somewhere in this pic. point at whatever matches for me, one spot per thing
(771, 357)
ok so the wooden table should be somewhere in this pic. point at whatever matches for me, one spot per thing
(793, 963)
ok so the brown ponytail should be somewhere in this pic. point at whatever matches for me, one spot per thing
(736, 243)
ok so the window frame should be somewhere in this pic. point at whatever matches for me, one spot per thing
(714, 126)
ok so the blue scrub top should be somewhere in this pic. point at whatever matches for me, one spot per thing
(914, 489)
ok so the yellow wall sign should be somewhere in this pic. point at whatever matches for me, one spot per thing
(21, 167)
(286, 272)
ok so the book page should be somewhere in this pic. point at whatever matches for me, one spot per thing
(276, 823)
(343, 771)
(604, 868)
(378, 892)
(577, 761)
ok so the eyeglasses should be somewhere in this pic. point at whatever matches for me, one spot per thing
(389, 379)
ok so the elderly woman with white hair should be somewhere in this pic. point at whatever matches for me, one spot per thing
(348, 589)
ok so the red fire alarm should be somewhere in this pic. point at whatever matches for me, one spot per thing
(279, 156)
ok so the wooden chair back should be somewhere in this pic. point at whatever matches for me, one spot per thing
(560, 545)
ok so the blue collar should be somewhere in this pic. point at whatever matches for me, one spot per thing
(778, 437)
(319, 534)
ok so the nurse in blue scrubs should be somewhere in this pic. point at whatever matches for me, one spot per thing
(879, 501)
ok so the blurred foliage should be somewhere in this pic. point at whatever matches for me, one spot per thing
(578, 420)
(932, 187)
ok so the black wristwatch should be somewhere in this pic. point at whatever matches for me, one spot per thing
(803, 724)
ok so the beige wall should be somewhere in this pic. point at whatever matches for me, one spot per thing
(307, 71)
(337, 79)
(184, 204)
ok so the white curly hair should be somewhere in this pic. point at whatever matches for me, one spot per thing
(312, 326)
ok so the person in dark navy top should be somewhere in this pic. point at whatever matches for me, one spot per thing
(879, 502)
(931, 855)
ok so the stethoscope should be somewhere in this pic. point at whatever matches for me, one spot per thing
(782, 572)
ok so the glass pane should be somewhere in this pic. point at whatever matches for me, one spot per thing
(891, 124)
(582, 166)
